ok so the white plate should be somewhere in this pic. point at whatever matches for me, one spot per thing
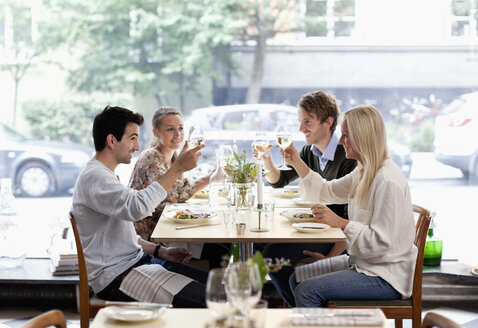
(293, 213)
(132, 313)
(301, 202)
(291, 192)
(202, 194)
(170, 215)
(310, 227)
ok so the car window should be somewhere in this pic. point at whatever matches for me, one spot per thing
(7, 133)
(242, 120)
(284, 117)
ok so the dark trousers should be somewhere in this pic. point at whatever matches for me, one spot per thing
(293, 252)
(191, 296)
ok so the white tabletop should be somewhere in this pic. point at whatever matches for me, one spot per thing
(178, 318)
(280, 230)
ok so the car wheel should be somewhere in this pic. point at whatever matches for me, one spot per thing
(35, 179)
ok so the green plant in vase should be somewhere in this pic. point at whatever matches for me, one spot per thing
(242, 174)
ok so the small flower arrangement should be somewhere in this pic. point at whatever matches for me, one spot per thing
(267, 265)
(240, 170)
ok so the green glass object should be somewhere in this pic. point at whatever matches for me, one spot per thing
(433, 250)
(235, 252)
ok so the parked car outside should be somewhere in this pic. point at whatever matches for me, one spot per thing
(456, 134)
(240, 123)
(39, 168)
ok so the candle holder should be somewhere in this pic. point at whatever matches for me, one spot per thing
(259, 209)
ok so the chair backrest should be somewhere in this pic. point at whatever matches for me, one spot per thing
(421, 230)
(84, 288)
(47, 319)
(433, 319)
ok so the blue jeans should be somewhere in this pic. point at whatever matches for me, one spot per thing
(293, 252)
(341, 285)
(192, 295)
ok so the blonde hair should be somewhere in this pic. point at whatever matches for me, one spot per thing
(368, 136)
(158, 117)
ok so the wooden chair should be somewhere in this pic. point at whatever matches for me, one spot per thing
(433, 319)
(88, 309)
(410, 308)
(47, 319)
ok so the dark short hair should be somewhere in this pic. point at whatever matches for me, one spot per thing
(113, 120)
(322, 105)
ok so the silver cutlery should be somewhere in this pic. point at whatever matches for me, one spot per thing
(143, 305)
(196, 226)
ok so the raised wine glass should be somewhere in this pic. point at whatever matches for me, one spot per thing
(244, 286)
(261, 144)
(196, 136)
(216, 298)
(284, 139)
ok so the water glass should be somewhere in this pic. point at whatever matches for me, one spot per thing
(216, 297)
(269, 208)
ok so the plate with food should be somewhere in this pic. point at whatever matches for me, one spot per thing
(190, 217)
(299, 215)
(133, 313)
(202, 194)
(310, 227)
(302, 203)
(290, 192)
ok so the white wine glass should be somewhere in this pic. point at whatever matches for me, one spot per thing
(216, 297)
(226, 155)
(284, 139)
(260, 144)
(196, 136)
(244, 286)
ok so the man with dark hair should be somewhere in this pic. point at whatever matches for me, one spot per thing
(121, 265)
(317, 113)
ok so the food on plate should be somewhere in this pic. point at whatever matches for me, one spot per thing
(203, 193)
(303, 215)
(185, 215)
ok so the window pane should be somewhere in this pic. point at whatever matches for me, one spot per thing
(344, 8)
(344, 28)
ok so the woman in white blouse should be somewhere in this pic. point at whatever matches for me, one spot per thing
(381, 228)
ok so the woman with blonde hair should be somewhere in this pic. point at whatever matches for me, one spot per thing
(154, 162)
(381, 228)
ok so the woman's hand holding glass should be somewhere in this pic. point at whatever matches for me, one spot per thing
(260, 145)
(196, 137)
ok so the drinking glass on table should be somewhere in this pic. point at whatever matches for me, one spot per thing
(261, 144)
(284, 139)
(244, 286)
(216, 298)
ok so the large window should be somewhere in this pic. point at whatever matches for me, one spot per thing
(411, 59)
(329, 18)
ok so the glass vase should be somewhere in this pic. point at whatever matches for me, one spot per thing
(244, 195)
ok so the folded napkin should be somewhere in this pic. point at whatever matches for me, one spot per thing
(337, 317)
(317, 268)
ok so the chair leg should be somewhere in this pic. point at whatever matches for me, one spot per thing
(398, 323)
(416, 321)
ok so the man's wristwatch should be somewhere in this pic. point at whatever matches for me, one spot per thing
(156, 250)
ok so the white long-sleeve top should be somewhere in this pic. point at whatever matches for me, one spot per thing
(380, 234)
(104, 210)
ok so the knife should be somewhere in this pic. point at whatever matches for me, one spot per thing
(139, 304)
(196, 225)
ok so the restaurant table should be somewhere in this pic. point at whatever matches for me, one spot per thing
(178, 318)
(279, 229)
